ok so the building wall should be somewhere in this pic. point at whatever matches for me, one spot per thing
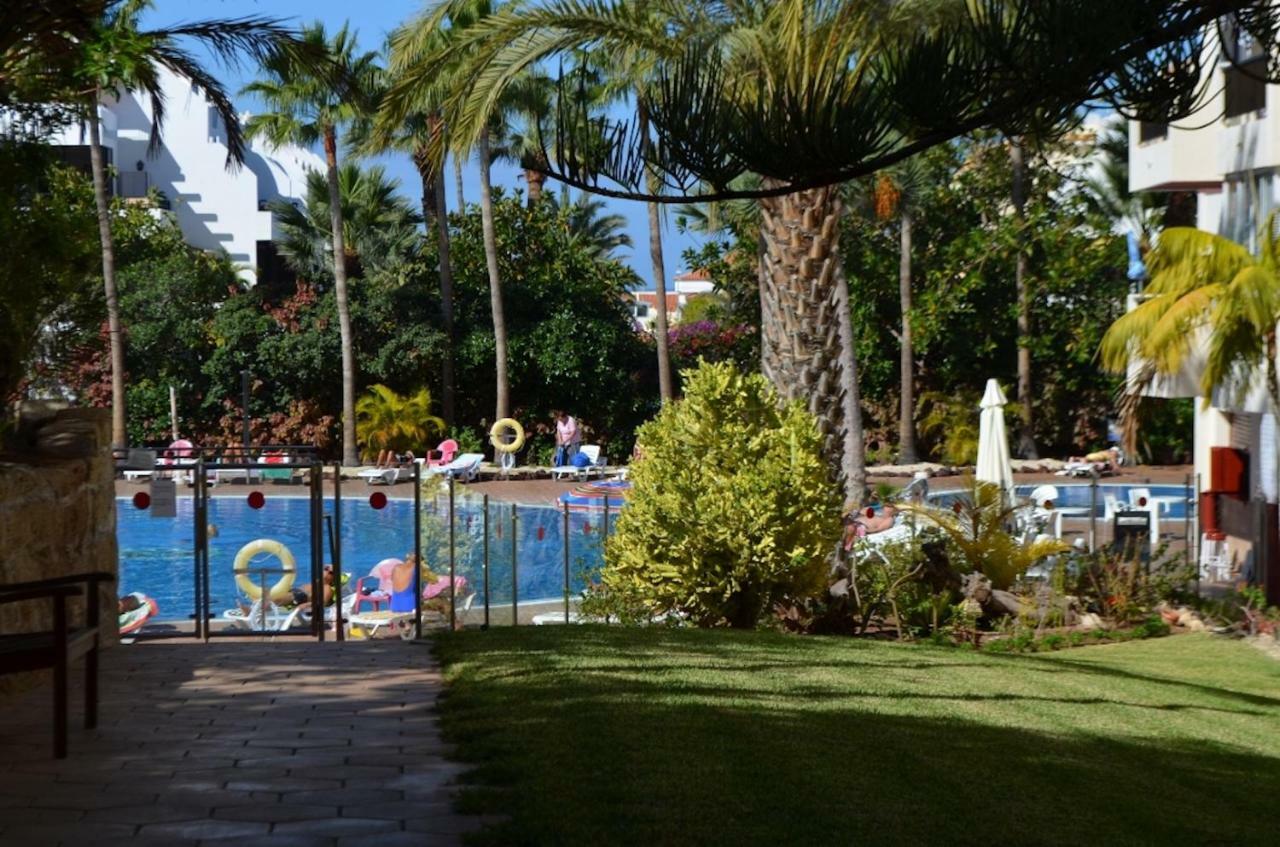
(217, 208)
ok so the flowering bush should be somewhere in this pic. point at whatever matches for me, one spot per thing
(714, 342)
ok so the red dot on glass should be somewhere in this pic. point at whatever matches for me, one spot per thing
(542, 532)
(1142, 501)
(378, 500)
(586, 529)
(871, 513)
(955, 507)
(256, 500)
(141, 500)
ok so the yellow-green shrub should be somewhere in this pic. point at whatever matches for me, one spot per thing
(733, 507)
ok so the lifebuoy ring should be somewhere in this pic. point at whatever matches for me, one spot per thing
(502, 428)
(281, 591)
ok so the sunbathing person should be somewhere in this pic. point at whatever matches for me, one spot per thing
(391, 459)
(1104, 461)
(860, 524)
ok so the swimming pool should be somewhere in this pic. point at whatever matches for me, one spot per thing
(156, 553)
(1076, 495)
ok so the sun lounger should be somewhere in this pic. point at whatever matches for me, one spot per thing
(275, 618)
(390, 476)
(595, 468)
(465, 468)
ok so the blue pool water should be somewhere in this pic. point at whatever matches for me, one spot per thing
(156, 553)
(1077, 495)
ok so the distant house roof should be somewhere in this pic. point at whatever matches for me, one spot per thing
(696, 275)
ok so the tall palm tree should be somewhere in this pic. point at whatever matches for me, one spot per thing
(117, 55)
(306, 108)
(1206, 293)
(897, 194)
(1022, 288)
(414, 136)
(379, 226)
(434, 34)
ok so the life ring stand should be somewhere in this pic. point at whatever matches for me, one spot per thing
(503, 428)
(280, 592)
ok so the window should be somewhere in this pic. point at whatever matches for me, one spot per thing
(1148, 131)
(1244, 70)
(642, 310)
(217, 132)
(1245, 87)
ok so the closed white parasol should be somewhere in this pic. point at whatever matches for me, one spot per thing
(993, 442)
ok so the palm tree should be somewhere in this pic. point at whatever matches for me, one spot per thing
(1022, 287)
(897, 194)
(306, 108)
(812, 93)
(434, 34)
(379, 226)
(386, 420)
(601, 235)
(1206, 293)
(117, 55)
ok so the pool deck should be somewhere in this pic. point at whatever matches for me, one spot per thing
(240, 742)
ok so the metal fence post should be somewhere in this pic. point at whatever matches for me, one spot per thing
(1093, 512)
(486, 561)
(515, 585)
(566, 563)
(336, 543)
(453, 561)
(417, 550)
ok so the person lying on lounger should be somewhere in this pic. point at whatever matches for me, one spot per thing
(1104, 461)
(391, 459)
(859, 524)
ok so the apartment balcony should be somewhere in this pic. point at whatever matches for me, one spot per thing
(1168, 158)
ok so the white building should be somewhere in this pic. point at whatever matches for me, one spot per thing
(685, 286)
(1231, 165)
(216, 208)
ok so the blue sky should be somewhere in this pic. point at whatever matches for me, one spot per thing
(373, 19)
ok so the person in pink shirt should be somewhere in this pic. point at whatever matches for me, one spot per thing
(568, 438)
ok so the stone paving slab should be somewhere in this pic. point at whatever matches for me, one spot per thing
(252, 742)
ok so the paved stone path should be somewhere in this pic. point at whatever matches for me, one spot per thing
(250, 742)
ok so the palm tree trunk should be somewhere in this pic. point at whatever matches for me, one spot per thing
(907, 410)
(853, 463)
(447, 395)
(503, 408)
(535, 180)
(350, 455)
(457, 183)
(115, 336)
(1273, 381)
(666, 391)
(1026, 432)
(435, 214)
(806, 344)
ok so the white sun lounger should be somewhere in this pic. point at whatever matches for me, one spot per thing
(390, 476)
(596, 468)
(465, 468)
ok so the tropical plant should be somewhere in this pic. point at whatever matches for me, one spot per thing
(1206, 292)
(950, 421)
(601, 235)
(379, 226)
(119, 55)
(977, 529)
(386, 420)
(752, 522)
(48, 211)
(305, 108)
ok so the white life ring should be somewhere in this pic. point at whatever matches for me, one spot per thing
(501, 429)
(280, 592)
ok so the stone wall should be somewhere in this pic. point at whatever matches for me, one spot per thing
(58, 517)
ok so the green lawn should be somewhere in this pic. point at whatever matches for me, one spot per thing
(596, 735)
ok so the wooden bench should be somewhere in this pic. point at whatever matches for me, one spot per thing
(58, 647)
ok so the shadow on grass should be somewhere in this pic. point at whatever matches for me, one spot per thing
(589, 737)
